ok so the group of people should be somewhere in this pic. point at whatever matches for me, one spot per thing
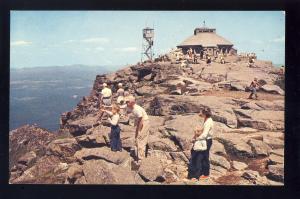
(125, 103)
(199, 164)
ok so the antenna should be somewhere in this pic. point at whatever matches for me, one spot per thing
(204, 23)
(147, 44)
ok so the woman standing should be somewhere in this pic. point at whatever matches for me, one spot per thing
(199, 165)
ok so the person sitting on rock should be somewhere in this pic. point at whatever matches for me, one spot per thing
(142, 126)
(115, 140)
(199, 164)
(253, 88)
(106, 95)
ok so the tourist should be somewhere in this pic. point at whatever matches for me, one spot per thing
(253, 88)
(222, 60)
(282, 70)
(195, 57)
(142, 126)
(208, 60)
(120, 93)
(115, 140)
(106, 95)
(199, 164)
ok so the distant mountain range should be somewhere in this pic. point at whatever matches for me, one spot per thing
(40, 94)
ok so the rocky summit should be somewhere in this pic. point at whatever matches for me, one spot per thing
(248, 143)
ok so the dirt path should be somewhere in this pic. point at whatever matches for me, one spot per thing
(243, 95)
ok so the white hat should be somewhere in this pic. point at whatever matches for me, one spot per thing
(120, 84)
(104, 84)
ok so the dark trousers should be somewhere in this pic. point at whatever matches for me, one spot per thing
(199, 163)
(253, 92)
(115, 140)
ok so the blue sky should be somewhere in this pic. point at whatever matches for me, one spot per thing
(56, 38)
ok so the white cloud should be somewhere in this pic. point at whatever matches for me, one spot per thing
(257, 41)
(20, 43)
(94, 40)
(279, 39)
(99, 48)
(127, 49)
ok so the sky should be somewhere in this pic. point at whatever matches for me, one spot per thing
(114, 38)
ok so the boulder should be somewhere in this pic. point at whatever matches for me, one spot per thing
(28, 138)
(276, 159)
(148, 77)
(145, 90)
(262, 120)
(64, 149)
(80, 126)
(44, 171)
(74, 173)
(104, 153)
(164, 157)
(102, 172)
(239, 165)
(94, 137)
(254, 178)
(81, 180)
(225, 115)
(273, 142)
(217, 148)
(176, 92)
(274, 89)
(237, 86)
(235, 145)
(28, 159)
(219, 161)
(276, 172)
(259, 147)
(170, 176)
(276, 105)
(97, 172)
(179, 157)
(279, 152)
(251, 105)
(162, 144)
(181, 130)
(151, 169)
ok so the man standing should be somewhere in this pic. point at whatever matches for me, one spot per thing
(106, 95)
(142, 126)
(253, 88)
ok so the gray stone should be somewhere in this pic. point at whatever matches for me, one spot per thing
(151, 169)
(239, 165)
(276, 172)
(217, 148)
(274, 89)
(103, 153)
(273, 142)
(259, 147)
(219, 161)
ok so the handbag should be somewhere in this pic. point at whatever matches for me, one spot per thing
(200, 145)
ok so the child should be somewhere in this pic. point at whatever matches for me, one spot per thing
(115, 140)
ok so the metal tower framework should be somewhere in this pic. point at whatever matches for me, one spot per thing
(147, 44)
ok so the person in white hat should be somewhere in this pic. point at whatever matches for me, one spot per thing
(142, 126)
(106, 95)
